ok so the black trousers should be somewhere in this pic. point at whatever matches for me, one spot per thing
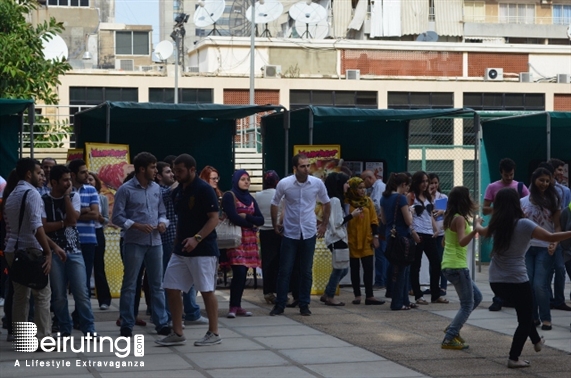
(368, 263)
(428, 245)
(101, 285)
(270, 245)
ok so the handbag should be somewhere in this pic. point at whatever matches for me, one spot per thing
(400, 249)
(27, 267)
(340, 258)
(228, 235)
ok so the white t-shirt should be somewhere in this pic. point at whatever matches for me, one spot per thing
(542, 217)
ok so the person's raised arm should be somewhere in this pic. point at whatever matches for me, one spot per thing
(487, 208)
(542, 234)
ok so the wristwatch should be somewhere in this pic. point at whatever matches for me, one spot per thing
(198, 238)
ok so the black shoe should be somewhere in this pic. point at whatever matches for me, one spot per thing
(126, 332)
(369, 302)
(495, 307)
(563, 307)
(293, 304)
(165, 331)
(304, 311)
(427, 291)
(276, 311)
(546, 327)
(76, 326)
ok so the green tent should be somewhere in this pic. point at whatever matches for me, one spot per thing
(364, 134)
(205, 131)
(11, 125)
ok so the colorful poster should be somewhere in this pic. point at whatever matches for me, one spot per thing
(355, 167)
(377, 167)
(74, 154)
(324, 159)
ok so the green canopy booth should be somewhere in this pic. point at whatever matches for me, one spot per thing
(11, 130)
(205, 131)
(527, 139)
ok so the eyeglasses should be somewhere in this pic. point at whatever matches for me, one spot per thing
(215, 179)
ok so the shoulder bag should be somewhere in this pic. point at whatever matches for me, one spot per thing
(400, 249)
(228, 235)
(27, 267)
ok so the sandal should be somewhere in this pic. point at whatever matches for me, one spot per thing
(356, 301)
(413, 305)
(441, 300)
(403, 308)
(421, 301)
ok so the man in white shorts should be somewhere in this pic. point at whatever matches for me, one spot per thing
(195, 254)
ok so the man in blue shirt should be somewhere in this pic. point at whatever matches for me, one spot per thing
(140, 211)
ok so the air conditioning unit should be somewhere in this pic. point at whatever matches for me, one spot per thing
(146, 68)
(124, 64)
(525, 77)
(563, 78)
(352, 74)
(494, 74)
(192, 69)
(272, 71)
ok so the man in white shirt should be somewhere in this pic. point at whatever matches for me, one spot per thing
(299, 229)
(377, 187)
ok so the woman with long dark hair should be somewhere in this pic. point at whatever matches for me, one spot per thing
(458, 233)
(434, 189)
(542, 207)
(395, 213)
(424, 231)
(511, 233)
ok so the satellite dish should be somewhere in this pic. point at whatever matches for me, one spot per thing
(265, 11)
(54, 48)
(429, 36)
(164, 50)
(569, 32)
(308, 13)
(207, 13)
(316, 31)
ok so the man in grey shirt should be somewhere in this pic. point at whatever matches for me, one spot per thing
(140, 211)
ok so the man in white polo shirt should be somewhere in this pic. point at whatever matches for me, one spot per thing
(300, 193)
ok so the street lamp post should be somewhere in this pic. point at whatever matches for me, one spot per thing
(177, 35)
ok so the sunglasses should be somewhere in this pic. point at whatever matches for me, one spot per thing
(419, 209)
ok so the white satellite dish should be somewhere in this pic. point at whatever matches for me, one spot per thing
(207, 13)
(315, 31)
(428, 36)
(308, 13)
(569, 32)
(54, 48)
(265, 11)
(164, 50)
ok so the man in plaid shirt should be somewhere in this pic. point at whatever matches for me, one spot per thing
(165, 179)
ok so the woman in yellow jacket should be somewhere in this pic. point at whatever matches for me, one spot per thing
(363, 238)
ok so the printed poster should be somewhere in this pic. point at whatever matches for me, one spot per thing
(354, 167)
(324, 159)
(74, 154)
(377, 167)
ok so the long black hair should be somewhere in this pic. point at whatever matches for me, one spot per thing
(417, 179)
(506, 212)
(334, 184)
(459, 202)
(395, 180)
(549, 200)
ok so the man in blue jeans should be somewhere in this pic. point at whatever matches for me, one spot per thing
(140, 211)
(300, 193)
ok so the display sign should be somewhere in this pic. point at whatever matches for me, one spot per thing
(324, 159)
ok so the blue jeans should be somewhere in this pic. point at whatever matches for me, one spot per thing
(334, 279)
(539, 264)
(399, 277)
(71, 272)
(133, 257)
(191, 309)
(381, 264)
(440, 250)
(88, 252)
(303, 250)
(557, 298)
(469, 295)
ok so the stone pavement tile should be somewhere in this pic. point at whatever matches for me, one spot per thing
(157, 363)
(549, 364)
(182, 373)
(261, 372)
(257, 321)
(237, 359)
(294, 342)
(387, 338)
(346, 318)
(507, 325)
(377, 369)
(452, 367)
(7, 369)
(430, 351)
(231, 344)
(330, 355)
(282, 330)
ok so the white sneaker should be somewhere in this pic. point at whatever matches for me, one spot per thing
(172, 339)
(539, 346)
(170, 324)
(208, 339)
(200, 321)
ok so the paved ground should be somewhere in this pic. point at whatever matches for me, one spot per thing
(350, 341)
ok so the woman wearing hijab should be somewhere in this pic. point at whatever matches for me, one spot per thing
(363, 237)
(242, 210)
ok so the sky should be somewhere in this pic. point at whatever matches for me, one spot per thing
(139, 12)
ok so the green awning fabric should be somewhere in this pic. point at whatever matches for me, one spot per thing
(10, 126)
(325, 114)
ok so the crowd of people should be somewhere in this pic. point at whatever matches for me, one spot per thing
(168, 212)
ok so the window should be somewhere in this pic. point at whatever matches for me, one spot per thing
(97, 95)
(443, 168)
(517, 14)
(420, 100)
(474, 11)
(185, 95)
(131, 43)
(561, 14)
(341, 99)
(68, 3)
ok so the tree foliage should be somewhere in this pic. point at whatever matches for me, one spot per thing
(24, 73)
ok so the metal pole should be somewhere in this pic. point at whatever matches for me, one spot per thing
(252, 67)
(177, 42)
(286, 139)
(476, 192)
(310, 120)
(31, 120)
(108, 123)
(548, 130)
(21, 116)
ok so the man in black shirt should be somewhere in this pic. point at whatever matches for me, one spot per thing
(195, 254)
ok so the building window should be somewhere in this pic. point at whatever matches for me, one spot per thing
(561, 14)
(474, 11)
(185, 95)
(443, 168)
(517, 14)
(341, 99)
(131, 43)
(68, 3)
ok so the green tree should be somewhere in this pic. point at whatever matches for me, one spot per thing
(24, 73)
